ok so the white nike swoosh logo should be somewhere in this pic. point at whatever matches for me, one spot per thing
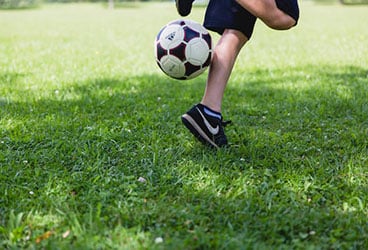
(213, 130)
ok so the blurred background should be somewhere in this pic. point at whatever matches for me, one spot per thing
(24, 4)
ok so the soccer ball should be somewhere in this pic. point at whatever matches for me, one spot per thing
(183, 49)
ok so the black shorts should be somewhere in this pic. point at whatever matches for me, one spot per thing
(228, 14)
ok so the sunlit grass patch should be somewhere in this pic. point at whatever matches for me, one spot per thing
(93, 153)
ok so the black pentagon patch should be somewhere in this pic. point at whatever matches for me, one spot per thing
(190, 68)
(160, 51)
(179, 51)
(207, 38)
(189, 34)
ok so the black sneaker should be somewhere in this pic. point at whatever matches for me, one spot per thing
(207, 129)
(184, 6)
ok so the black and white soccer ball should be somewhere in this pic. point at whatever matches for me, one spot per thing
(183, 49)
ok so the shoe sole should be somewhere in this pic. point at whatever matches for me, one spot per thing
(180, 11)
(196, 130)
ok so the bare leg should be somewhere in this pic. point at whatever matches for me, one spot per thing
(225, 54)
(267, 11)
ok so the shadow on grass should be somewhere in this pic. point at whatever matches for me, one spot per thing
(295, 172)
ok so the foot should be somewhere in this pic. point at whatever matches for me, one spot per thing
(184, 6)
(206, 125)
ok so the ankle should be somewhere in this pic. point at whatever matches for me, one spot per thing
(213, 107)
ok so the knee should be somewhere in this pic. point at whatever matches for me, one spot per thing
(281, 23)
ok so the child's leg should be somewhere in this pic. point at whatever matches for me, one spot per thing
(224, 56)
(269, 13)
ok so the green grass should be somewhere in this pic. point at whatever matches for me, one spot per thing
(85, 114)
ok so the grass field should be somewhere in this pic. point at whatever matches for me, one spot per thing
(93, 154)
